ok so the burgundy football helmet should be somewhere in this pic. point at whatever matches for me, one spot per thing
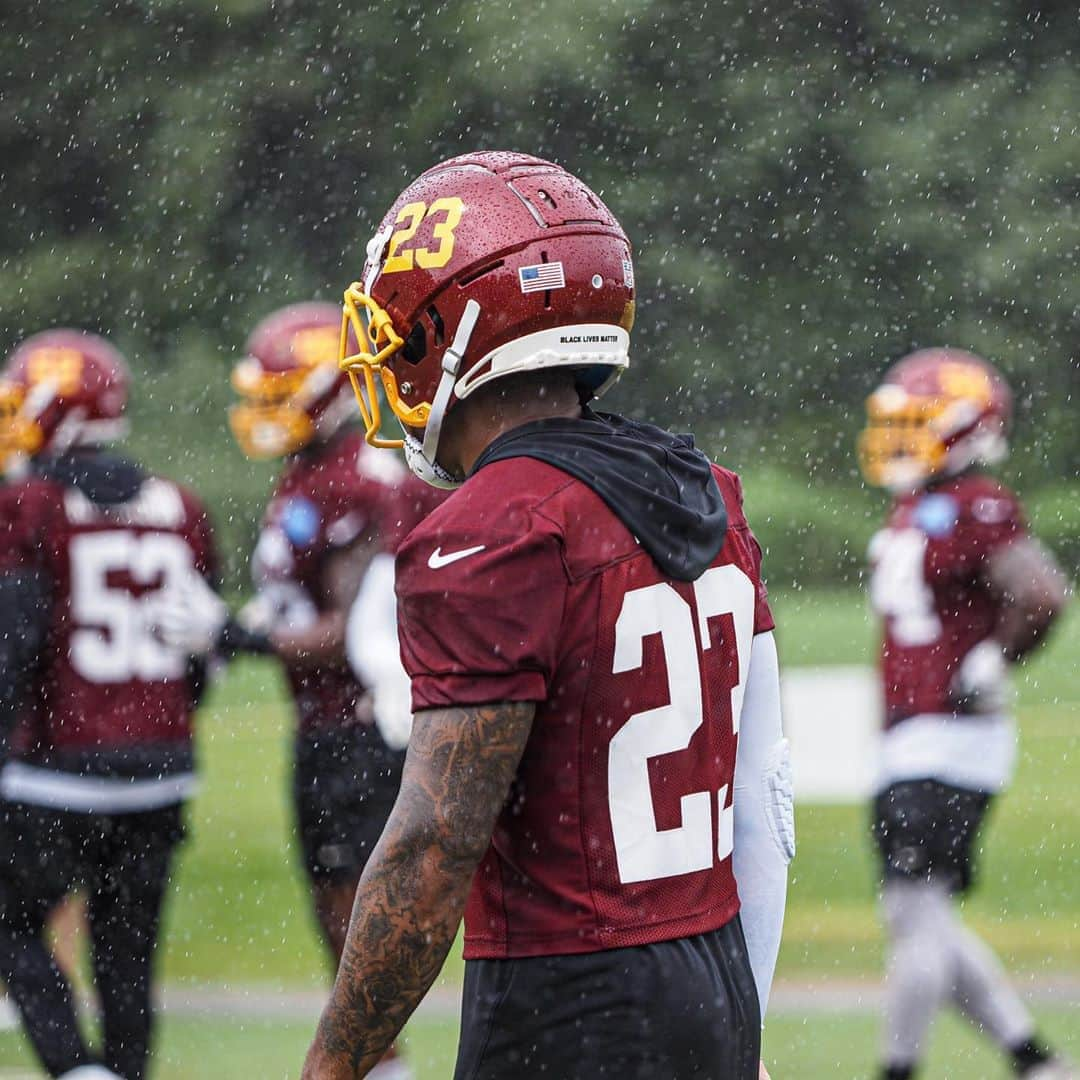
(291, 386)
(937, 412)
(487, 265)
(59, 389)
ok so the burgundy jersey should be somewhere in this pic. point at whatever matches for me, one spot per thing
(524, 586)
(328, 498)
(105, 681)
(929, 586)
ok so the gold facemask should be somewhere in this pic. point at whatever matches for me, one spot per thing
(905, 437)
(269, 423)
(18, 433)
(899, 441)
(378, 341)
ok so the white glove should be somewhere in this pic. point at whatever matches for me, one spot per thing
(191, 618)
(981, 682)
(260, 614)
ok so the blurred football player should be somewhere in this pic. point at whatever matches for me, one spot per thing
(596, 753)
(319, 533)
(93, 792)
(964, 592)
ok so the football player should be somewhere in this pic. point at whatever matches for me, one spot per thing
(964, 592)
(596, 754)
(320, 530)
(94, 790)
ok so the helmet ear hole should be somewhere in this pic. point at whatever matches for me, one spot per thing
(415, 346)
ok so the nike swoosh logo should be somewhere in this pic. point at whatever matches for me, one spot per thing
(437, 559)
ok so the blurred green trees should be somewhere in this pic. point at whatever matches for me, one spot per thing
(812, 189)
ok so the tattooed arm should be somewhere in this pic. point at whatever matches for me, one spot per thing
(412, 895)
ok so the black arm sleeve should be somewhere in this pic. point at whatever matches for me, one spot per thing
(24, 622)
(236, 639)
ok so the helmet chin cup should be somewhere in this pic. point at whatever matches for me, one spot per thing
(431, 472)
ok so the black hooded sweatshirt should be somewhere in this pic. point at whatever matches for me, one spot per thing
(658, 484)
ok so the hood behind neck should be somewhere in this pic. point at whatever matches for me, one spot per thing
(659, 485)
(105, 479)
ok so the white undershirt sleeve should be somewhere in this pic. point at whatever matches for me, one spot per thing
(371, 643)
(764, 814)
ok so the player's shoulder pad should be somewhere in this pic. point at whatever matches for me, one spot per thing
(29, 487)
(192, 501)
(164, 503)
(33, 496)
(480, 529)
(344, 473)
(984, 500)
(371, 464)
(732, 491)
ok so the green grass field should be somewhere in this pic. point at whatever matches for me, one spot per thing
(239, 914)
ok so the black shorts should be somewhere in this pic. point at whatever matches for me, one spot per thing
(666, 1011)
(344, 783)
(46, 854)
(927, 830)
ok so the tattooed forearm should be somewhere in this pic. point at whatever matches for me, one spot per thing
(410, 900)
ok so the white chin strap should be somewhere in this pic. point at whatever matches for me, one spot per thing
(421, 456)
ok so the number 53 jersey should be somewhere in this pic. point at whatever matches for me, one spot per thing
(105, 682)
(929, 586)
(525, 586)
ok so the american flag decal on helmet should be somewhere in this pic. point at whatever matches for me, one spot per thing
(541, 277)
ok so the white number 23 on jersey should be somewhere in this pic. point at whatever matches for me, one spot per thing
(643, 851)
